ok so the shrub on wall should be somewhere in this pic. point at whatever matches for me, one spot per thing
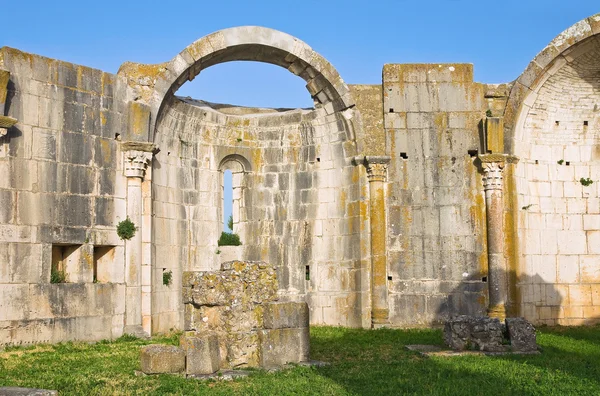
(126, 229)
(229, 239)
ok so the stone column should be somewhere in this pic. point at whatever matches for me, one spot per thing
(376, 173)
(493, 167)
(136, 157)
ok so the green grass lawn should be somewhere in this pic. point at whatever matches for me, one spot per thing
(363, 362)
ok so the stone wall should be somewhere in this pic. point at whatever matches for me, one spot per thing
(559, 216)
(437, 261)
(299, 201)
(60, 197)
(371, 204)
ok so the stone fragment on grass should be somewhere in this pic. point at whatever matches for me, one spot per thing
(159, 359)
(474, 332)
(202, 353)
(522, 335)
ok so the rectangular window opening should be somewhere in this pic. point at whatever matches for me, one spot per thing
(104, 259)
(557, 123)
(307, 274)
(65, 260)
(585, 123)
(473, 153)
(568, 163)
(391, 110)
(389, 277)
(537, 162)
(484, 279)
(403, 156)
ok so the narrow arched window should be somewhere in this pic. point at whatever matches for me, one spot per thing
(228, 201)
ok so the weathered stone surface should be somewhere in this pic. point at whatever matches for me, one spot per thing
(158, 359)
(522, 334)
(281, 346)
(468, 332)
(202, 354)
(281, 315)
(15, 391)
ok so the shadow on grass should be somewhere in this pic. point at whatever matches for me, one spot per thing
(375, 362)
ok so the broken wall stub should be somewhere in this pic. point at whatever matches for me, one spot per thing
(240, 305)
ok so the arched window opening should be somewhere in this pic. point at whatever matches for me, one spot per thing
(232, 207)
(227, 201)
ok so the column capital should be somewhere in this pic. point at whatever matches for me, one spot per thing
(136, 157)
(493, 166)
(376, 166)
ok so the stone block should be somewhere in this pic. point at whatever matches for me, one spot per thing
(15, 391)
(280, 346)
(158, 359)
(471, 332)
(202, 354)
(522, 335)
(282, 315)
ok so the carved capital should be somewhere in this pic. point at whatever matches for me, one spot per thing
(492, 175)
(376, 167)
(493, 165)
(377, 172)
(135, 163)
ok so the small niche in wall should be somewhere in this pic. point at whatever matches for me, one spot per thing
(65, 261)
(537, 162)
(557, 123)
(389, 277)
(307, 273)
(472, 153)
(484, 279)
(104, 259)
(568, 163)
(391, 110)
(585, 123)
(403, 156)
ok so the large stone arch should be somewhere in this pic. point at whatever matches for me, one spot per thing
(155, 83)
(562, 51)
(300, 203)
(552, 123)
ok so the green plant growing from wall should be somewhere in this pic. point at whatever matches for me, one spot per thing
(488, 113)
(560, 162)
(526, 207)
(126, 229)
(230, 223)
(586, 181)
(167, 277)
(57, 276)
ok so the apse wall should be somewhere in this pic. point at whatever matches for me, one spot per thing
(559, 216)
(299, 211)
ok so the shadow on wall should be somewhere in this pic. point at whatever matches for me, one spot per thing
(532, 297)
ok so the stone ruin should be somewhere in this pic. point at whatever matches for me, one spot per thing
(233, 318)
(490, 335)
(401, 203)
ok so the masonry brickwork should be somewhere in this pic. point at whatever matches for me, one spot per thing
(374, 206)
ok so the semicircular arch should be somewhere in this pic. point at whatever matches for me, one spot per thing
(563, 51)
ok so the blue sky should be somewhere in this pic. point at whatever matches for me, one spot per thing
(357, 37)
